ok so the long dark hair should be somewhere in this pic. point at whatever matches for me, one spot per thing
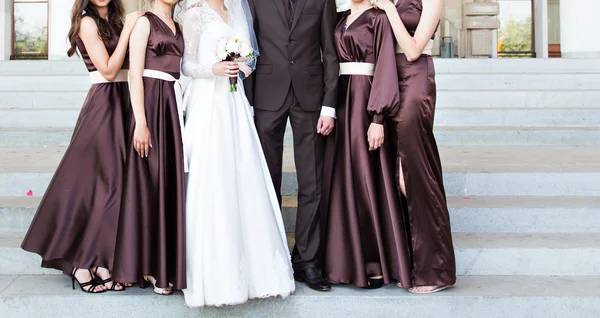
(106, 28)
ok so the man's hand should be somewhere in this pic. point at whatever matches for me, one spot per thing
(325, 125)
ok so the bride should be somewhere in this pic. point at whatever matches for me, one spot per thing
(236, 242)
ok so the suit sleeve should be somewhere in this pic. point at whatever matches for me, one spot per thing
(384, 99)
(328, 51)
(249, 81)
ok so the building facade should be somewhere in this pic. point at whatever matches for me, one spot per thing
(37, 29)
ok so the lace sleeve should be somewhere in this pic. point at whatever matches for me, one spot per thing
(192, 30)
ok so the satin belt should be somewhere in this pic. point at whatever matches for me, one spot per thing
(428, 50)
(97, 78)
(179, 98)
(357, 68)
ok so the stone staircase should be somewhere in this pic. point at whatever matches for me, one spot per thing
(520, 145)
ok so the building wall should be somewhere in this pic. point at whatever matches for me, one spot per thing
(59, 24)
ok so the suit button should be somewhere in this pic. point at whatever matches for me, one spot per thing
(292, 41)
(292, 62)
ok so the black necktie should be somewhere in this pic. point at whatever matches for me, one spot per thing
(291, 7)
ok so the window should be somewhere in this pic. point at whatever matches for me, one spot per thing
(515, 36)
(30, 29)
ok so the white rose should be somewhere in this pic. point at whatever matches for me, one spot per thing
(233, 45)
(342, 5)
(221, 49)
(246, 50)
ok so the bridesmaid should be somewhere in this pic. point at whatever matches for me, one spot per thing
(75, 227)
(366, 242)
(151, 235)
(419, 168)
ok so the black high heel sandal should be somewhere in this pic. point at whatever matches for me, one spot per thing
(114, 284)
(93, 283)
(374, 282)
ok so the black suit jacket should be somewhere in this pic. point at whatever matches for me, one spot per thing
(302, 53)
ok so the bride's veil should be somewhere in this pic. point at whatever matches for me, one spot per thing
(239, 11)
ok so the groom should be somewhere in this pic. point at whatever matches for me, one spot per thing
(296, 78)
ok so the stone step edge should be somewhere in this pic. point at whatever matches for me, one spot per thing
(467, 202)
(445, 108)
(521, 241)
(437, 127)
(528, 286)
(474, 296)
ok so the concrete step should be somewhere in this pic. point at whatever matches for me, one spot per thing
(445, 136)
(45, 83)
(517, 136)
(470, 171)
(474, 297)
(65, 117)
(455, 183)
(517, 98)
(517, 66)
(576, 254)
(35, 137)
(474, 214)
(523, 82)
(41, 100)
(469, 214)
(39, 118)
(485, 116)
(73, 66)
(442, 66)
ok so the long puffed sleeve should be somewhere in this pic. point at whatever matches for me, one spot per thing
(192, 31)
(384, 100)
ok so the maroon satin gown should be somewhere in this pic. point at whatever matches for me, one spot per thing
(76, 221)
(365, 231)
(425, 200)
(151, 235)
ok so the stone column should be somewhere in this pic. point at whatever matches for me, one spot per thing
(5, 29)
(479, 22)
(540, 17)
(451, 26)
(59, 23)
(579, 25)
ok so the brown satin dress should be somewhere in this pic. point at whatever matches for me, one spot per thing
(425, 200)
(76, 221)
(151, 236)
(365, 232)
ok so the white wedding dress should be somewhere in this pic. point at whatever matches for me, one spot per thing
(236, 243)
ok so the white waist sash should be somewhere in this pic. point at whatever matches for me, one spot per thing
(357, 68)
(179, 99)
(428, 50)
(97, 78)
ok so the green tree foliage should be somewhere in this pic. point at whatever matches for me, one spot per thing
(515, 36)
(31, 41)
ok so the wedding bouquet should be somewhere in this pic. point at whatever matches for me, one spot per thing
(232, 49)
(342, 5)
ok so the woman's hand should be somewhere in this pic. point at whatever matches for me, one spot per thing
(375, 136)
(383, 4)
(130, 20)
(225, 68)
(142, 141)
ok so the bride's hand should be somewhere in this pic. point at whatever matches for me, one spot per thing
(142, 142)
(225, 68)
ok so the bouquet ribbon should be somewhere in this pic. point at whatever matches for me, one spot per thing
(179, 99)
